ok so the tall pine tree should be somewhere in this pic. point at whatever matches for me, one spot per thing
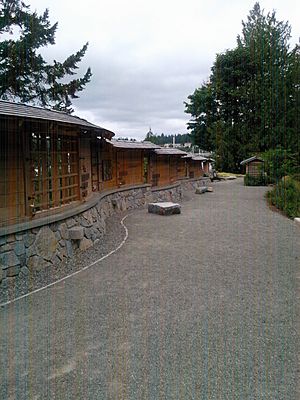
(24, 74)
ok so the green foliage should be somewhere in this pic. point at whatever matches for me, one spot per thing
(167, 139)
(286, 197)
(24, 74)
(250, 180)
(279, 163)
(250, 103)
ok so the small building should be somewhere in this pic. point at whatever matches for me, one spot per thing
(44, 161)
(118, 163)
(197, 166)
(254, 166)
(165, 164)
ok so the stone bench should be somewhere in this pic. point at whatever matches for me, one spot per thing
(164, 208)
(201, 190)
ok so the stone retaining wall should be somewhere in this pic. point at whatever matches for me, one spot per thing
(38, 248)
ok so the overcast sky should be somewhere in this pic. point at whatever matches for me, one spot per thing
(148, 56)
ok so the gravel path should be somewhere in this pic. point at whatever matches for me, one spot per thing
(24, 284)
(201, 305)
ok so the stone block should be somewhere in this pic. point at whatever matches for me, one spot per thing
(76, 233)
(70, 222)
(164, 208)
(9, 260)
(70, 250)
(13, 271)
(37, 263)
(19, 236)
(24, 271)
(46, 243)
(201, 190)
(297, 220)
(64, 232)
(19, 248)
(29, 238)
(210, 189)
(85, 244)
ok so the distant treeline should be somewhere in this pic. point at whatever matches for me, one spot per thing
(165, 139)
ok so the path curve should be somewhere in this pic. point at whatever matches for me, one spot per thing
(201, 305)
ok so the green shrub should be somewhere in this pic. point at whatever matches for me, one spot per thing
(280, 162)
(250, 180)
(286, 197)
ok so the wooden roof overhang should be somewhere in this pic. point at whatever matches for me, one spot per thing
(131, 145)
(27, 115)
(251, 159)
(169, 152)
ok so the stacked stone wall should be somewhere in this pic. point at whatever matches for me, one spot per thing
(39, 248)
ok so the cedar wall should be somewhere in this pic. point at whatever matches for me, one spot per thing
(130, 166)
(115, 167)
(254, 168)
(163, 169)
(195, 169)
(182, 168)
(12, 159)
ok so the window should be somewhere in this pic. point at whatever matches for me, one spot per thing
(54, 178)
(106, 170)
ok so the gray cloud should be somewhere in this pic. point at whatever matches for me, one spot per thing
(147, 57)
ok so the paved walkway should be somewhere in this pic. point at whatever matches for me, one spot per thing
(201, 305)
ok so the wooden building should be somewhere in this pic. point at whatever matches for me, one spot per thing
(117, 163)
(44, 161)
(166, 166)
(197, 166)
(254, 166)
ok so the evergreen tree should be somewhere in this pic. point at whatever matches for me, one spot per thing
(24, 74)
(251, 102)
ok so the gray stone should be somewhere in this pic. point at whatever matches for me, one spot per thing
(31, 251)
(62, 243)
(88, 233)
(13, 271)
(10, 238)
(24, 271)
(58, 236)
(62, 253)
(37, 263)
(85, 244)
(297, 220)
(19, 236)
(201, 190)
(63, 230)
(2, 274)
(210, 189)
(7, 247)
(29, 238)
(76, 233)
(22, 259)
(46, 243)
(70, 222)
(85, 223)
(19, 248)
(2, 240)
(70, 250)
(9, 260)
(164, 208)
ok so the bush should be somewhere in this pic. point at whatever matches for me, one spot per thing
(280, 162)
(259, 180)
(286, 197)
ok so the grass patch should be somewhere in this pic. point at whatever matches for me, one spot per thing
(286, 196)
